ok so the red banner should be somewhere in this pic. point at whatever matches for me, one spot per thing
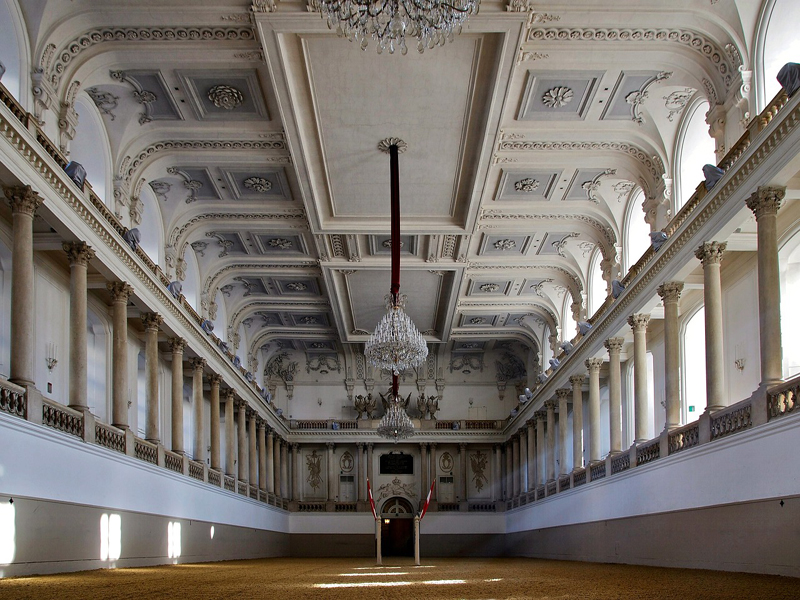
(371, 501)
(427, 501)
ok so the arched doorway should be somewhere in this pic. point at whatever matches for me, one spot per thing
(397, 528)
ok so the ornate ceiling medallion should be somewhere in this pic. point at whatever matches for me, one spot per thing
(526, 185)
(258, 184)
(225, 96)
(489, 287)
(281, 243)
(505, 244)
(557, 97)
(388, 243)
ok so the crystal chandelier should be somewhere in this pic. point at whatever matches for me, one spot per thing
(388, 22)
(396, 343)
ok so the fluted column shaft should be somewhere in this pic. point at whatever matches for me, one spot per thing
(362, 491)
(531, 448)
(270, 462)
(331, 482)
(24, 203)
(765, 204)
(197, 364)
(241, 435)
(515, 466)
(670, 294)
(614, 347)
(432, 471)
(462, 448)
(562, 394)
(550, 406)
(641, 409)
(120, 292)
(541, 453)
(79, 254)
(151, 322)
(230, 452)
(262, 455)
(177, 345)
(252, 438)
(284, 469)
(593, 365)
(577, 420)
(215, 380)
(710, 254)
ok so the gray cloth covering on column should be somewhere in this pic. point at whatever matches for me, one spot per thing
(132, 237)
(789, 78)
(713, 174)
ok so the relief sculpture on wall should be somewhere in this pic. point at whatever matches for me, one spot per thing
(478, 463)
(396, 488)
(313, 462)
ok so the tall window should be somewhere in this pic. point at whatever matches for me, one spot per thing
(777, 44)
(91, 148)
(569, 326)
(597, 286)
(694, 367)
(637, 231)
(790, 317)
(695, 149)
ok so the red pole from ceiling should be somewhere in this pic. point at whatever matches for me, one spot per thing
(395, 231)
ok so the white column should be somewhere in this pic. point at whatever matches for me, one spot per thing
(531, 447)
(284, 469)
(120, 292)
(252, 438)
(230, 452)
(295, 472)
(151, 322)
(577, 421)
(593, 365)
(523, 460)
(541, 454)
(196, 365)
(241, 426)
(765, 204)
(670, 295)
(462, 448)
(423, 472)
(507, 480)
(497, 482)
(550, 406)
(331, 473)
(432, 471)
(215, 380)
(562, 394)
(177, 345)
(270, 462)
(515, 465)
(614, 347)
(79, 255)
(362, 492)
(262, 455)
(710, 254)
(24, 203)
(641, 410)
(276, 463)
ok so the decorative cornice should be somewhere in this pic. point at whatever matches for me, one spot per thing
(685, 37)
(101, 35)
(176, 237)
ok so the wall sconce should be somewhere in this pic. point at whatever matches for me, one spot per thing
(319, 401)
(738, 360)
(51, 359)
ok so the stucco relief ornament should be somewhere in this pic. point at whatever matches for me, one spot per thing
(477, 321)
(346, 462)
(387, 243)
(526, 185)
(557, 97)
(281, 243)
(296, 286)
(478, 463)
(258, 184)
(225, 96)
(396, 488)
(489, 287)
(446, 462)
(314, 466)
(505, 244)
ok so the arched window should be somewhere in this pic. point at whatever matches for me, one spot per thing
(789, 257)
(151, 227)
(221, 322)
(91, 149)
(598, 290)
(97, 361)
(777, 43)
(694, 367)
(637, 231)
(14, 50)
(629, 402)
(191, 285)
(569, 326)
(695, 148)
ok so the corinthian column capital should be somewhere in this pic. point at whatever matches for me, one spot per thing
(197, 364)
(614, 345)
(639, 322)
(563, 392)
(594, 364)
(119, 290)
(577, 379)
(766, 201)
(711, 252)
(177, 345)
(23, 199)
(78, 253)
(152, 321)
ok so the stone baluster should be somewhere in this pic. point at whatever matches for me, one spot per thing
(270, 462)
(550, 407)
(593, 365)
(670, 295)
(252, 438)
(284, 469)
(523, 461)
(362, 492)
(79, 255)
(230, 452)
(641, 409)
(241, 436)
(577, 421)
(562, 394)
(531, 448)
(197, 365)
(152, 322)
(432, 471)
(541, 452)
(614, 347)
(24, 203)
(262, 454)
(120, 292)
(215, 380)
(462, 448)
(515, 466)
(177, 345)
(331, 473)
(710, 254)
(765, 204)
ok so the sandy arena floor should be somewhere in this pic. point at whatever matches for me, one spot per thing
(438, 578)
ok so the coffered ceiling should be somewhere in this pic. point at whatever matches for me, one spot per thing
(253, 132)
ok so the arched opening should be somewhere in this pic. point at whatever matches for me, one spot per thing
(5, 310)
(598, 290)
(14, 53)
(777, 43)
(91, 148)
(694, 367)
(789, 258)
(151, 227)
(569, 326)
(636, 231)
(191, 284)
(694, 149)
(397, 527)
(97, 361)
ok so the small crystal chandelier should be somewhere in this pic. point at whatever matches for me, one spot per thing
(396, 343)
(388, 22)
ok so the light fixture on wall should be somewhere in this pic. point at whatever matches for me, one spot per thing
(396, 344)
(388, 22)
(51, 359)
